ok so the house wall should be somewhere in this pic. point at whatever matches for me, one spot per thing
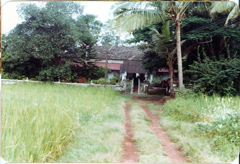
(113, 74)
(110, 75)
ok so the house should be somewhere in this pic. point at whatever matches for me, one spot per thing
(118, 56)
(126, 61)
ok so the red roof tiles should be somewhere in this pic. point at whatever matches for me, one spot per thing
(112, 66)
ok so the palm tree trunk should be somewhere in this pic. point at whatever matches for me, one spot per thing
(179, 55)
(170, 66)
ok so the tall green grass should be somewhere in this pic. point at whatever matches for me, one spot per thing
(212, 120)
(101, 139)
(195, 108)
(39, 120)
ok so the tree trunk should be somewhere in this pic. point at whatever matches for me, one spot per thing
(179, 55)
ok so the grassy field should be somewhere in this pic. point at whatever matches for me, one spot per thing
(59, 123)
(39, 120)
(206, 128)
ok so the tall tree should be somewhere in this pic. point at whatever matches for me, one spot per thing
(46, 37)
(130, 16)
(92, 23)
(165, 47)
(109, 38)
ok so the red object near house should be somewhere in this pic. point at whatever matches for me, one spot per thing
(112, 66)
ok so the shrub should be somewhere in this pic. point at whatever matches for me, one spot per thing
(5, 75)
(55, 73)
(82, 80)
(95, 81)
(226, 127)
(157, 79)
(219, 76)
(99, 72)
(114, 80)
(101, 81)
(13, 75)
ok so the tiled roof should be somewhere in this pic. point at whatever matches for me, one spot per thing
(131, 66)
(112, 66)
(118, 53)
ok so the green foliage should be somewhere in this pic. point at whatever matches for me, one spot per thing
(198, 29)
(110, 39)
(15, 75)
(114, 80)
(157, 79)
(93, 25)
(216, 118)
(49, 37)
(144, 34)
(220, 76)
(179, 110)
(210, 35)
(100, 72)
(55, 73)
(226, 127)
(152, 61)
(101, 81)
(5, 75)
(184, 92)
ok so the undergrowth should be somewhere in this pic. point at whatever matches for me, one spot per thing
(213, 120)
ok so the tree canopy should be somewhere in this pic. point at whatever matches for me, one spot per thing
(50, 37)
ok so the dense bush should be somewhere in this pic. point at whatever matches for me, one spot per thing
(55, 73)
(101, 81)
(5, 75)
(157, 79)
(216, 75)
(114, 80)
(100, 72)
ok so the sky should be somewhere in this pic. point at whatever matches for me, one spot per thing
(10, 17)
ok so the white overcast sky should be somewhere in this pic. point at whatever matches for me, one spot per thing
(10, 17)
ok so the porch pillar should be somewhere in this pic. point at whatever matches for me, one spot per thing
(132, 86)
(151, 78)
(139, 85)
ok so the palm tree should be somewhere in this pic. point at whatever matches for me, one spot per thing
(176, 12)
(229, 8)
(133, 15)
(164, 46)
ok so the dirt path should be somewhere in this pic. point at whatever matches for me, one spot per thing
(173, 153)
(129, 149)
